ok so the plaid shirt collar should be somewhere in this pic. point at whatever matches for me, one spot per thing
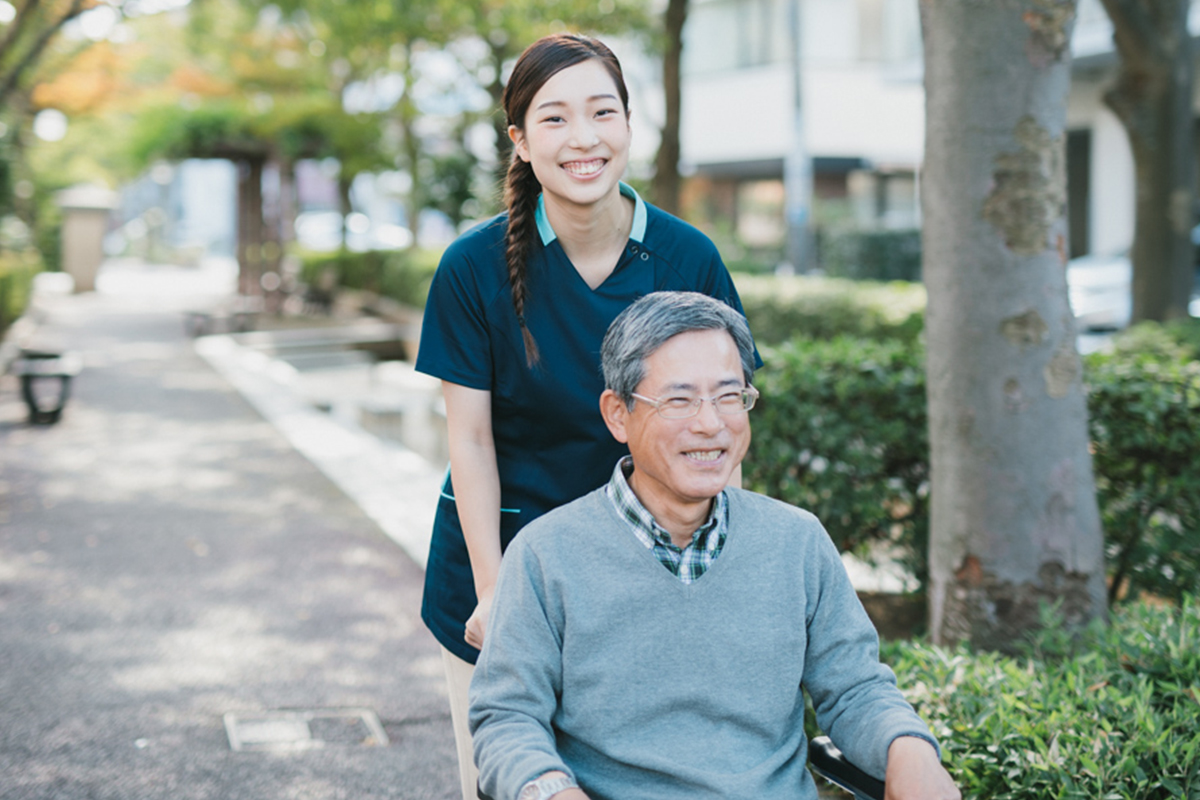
(688, 563)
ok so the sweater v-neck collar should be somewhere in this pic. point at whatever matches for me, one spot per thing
(646, 557)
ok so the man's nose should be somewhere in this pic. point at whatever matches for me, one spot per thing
(707, 419)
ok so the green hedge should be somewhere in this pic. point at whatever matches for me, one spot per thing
(1113, 714)
(780, 308)
(842, 430)
(1145, 431)
(877, 255)
(16, 280)
(402, 275)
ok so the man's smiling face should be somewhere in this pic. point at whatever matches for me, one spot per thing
(679, 465)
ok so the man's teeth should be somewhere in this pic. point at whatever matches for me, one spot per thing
(704, 455)
(584, 167)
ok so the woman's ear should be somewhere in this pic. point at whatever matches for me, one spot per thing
(517, 136)
(615, 413)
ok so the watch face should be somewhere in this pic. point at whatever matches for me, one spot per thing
(530, 792)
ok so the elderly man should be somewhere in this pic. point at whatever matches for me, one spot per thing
(650, 639)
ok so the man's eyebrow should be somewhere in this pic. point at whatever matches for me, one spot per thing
(592, 99)
(691, 387)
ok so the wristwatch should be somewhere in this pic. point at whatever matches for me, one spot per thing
(546, 786)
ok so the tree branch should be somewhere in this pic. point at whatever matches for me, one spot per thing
(18, 26)
(1135, 35)
(9, 81)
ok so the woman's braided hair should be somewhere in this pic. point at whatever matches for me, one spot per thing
(540, 61)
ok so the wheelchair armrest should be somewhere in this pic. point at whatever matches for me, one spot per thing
(830, 764)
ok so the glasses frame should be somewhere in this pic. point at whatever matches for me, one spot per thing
(749, 394)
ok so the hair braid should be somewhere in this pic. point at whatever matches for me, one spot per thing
(520, 195)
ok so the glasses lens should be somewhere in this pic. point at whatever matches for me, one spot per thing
(678, 408)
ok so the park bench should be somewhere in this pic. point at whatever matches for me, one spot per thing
(236, 316)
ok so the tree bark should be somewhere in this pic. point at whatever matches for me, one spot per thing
(250, 226)
(1014, 518)
(666, 163)
(1153, 99)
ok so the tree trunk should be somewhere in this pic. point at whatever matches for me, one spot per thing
(499, 53)
(408, 116)
(1153, 99)
(666, 163)
(250, 226)
(1014, 518)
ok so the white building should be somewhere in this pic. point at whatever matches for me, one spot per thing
(861, 97)
(863, 117)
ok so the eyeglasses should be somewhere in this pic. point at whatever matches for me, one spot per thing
(686, 407)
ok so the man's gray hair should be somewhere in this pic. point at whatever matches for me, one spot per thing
(647, 324)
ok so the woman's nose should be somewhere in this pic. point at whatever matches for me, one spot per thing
(583, 135)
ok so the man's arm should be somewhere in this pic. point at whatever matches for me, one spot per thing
(914, 772)
(854, 695)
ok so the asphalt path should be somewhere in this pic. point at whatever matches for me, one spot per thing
(167, 558)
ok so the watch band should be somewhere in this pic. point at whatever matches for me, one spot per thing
(546, 786)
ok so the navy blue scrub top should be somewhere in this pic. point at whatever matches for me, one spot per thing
(552, 445)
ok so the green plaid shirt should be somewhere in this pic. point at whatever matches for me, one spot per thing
(688, 563)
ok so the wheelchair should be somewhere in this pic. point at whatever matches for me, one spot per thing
(828, 762)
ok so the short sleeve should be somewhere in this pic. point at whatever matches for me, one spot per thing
(724, 289)
(455, 345)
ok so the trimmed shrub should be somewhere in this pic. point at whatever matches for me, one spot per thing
(780, 308)
(876, 255)
(841, 431)
(402, 275)
(1110, 714)
(1145, 430)
(16, 280)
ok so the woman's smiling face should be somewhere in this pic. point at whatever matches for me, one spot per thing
(576, 134)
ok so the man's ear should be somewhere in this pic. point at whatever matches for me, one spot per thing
(518, 139)
(615, 414)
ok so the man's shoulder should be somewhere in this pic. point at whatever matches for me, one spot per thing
(763, 504)
(770, 514)
(583, 513)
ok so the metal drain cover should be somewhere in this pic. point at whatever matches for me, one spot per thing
(305, 729)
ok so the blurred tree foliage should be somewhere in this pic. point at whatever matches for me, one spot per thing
(374, 85)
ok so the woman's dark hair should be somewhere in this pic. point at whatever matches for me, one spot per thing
(541, 61)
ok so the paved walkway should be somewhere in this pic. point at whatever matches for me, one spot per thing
(167, 557)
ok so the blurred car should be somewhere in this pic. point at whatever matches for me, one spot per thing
(1100, 288)
(322, 231)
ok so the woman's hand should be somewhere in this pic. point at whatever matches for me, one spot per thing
(477, 622)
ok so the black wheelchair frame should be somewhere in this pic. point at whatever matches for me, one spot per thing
(833, 766)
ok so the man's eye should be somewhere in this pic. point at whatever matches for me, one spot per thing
(678, 402)
(730, 400)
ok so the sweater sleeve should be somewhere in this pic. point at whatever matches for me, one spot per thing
(854, 694)
(518, 678)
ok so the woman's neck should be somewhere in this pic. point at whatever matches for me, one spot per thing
(590, 231)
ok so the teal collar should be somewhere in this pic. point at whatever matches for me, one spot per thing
(637, 234)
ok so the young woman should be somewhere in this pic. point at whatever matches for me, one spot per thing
(513, 326)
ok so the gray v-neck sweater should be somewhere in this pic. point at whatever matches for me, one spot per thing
(600, 662)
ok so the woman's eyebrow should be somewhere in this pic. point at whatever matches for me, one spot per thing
(591, 99)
